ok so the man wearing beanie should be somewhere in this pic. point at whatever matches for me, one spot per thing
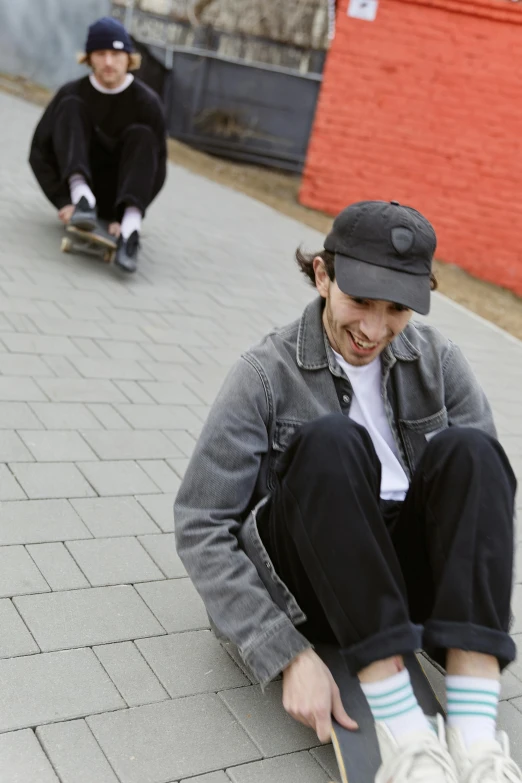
(99, 150)
(348, 488)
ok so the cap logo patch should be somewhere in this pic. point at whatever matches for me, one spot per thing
(402, 239)
(118, 44)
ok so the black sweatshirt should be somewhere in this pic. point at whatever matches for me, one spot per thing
(111, 114)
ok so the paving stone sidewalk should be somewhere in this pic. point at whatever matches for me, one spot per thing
(108, 671)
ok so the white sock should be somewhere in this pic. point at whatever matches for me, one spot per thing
(392, 701)
(472, 706)
(131, 222)
(79, 188)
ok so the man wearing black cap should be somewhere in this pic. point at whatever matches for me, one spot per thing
(100, 148)
(348, 488)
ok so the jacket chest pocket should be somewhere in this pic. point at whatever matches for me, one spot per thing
(416, 433)
(284, 432)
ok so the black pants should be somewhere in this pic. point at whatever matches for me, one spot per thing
(121, 172)
(381, 578)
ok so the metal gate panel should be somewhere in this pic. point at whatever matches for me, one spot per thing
(241, 110)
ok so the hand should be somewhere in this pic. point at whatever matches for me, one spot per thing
(115, 230)
(311, 696)
(65, 214)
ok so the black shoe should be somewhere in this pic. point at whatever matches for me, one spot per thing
(127, 252)
(84, 216)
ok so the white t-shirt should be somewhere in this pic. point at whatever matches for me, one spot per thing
(129, 78)
(367, 408)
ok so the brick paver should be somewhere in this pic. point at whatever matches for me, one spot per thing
(57, 566)
(22, 755)
(46, 687)
(192, 662)
(81, 618)
(131, 673)
(113, 561)
(74, 753)
(105, 382)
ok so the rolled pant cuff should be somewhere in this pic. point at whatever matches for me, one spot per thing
(399, 640)
(443, 635)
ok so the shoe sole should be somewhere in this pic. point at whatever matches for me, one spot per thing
(123, 267)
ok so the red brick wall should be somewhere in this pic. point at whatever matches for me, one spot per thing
(424, 105)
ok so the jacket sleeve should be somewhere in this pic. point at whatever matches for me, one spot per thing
(466, 403)
(214, 498)
(42, 162)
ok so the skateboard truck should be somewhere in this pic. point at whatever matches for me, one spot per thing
(96, 242)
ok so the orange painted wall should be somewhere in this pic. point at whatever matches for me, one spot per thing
(424, 105)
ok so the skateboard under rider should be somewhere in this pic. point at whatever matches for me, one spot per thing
(97, 242)
(357, 752)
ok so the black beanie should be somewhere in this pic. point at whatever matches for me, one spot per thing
(108, 33)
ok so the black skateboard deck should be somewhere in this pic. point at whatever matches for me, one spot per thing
(96, 242)
(357, 752)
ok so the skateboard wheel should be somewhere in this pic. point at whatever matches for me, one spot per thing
(108, 256)
(66, 245)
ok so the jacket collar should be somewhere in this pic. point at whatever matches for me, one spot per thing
(314, 351)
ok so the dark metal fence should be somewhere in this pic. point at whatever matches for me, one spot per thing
(240, 107)
(249, 112)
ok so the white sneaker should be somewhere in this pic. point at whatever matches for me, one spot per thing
(422, 757)
(483, 762)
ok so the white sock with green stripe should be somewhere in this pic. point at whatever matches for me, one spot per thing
(472, 706)
(393, 702)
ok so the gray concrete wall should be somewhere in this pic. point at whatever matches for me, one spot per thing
(39, 39)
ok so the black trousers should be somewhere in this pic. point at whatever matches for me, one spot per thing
(121, 172)
(382, 578)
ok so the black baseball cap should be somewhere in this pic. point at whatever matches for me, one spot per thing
(383, 251)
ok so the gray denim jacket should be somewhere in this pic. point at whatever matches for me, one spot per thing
(289, 378)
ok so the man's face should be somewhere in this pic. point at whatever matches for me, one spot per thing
(109, 67)
(358, 329)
